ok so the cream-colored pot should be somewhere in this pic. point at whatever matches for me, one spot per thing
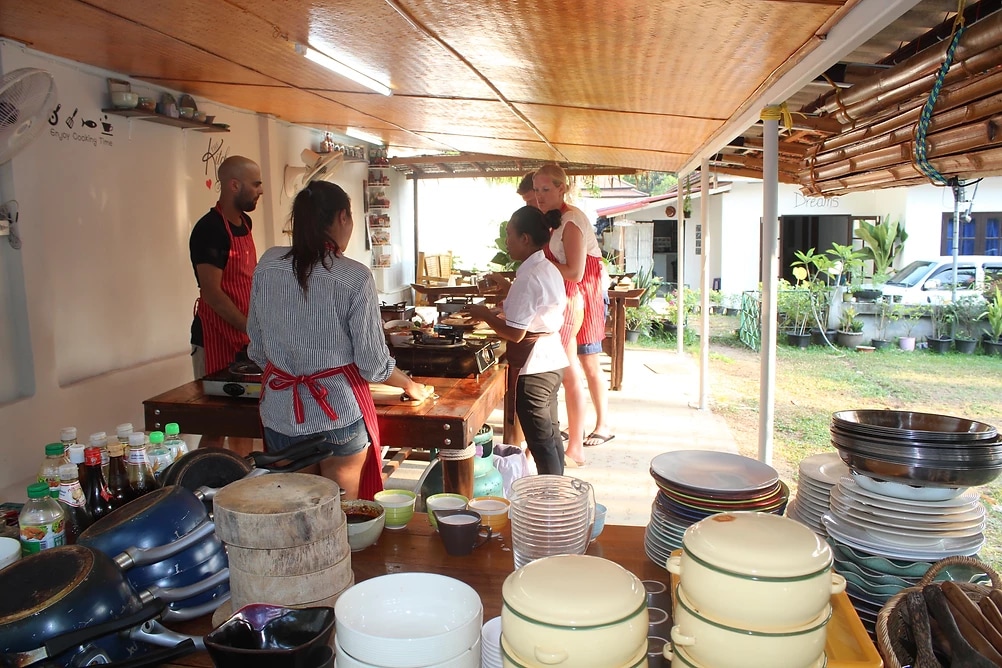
(679, 659)
(511, 660)
(756, 570)
(574, 610)
(714, 644)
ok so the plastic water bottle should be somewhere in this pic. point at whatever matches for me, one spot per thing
(159, 455)
(41, 522)
(174, 441)
(49, 472)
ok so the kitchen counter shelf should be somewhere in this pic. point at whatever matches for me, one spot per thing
(154, 117)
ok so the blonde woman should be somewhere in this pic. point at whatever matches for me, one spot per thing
(574, 250)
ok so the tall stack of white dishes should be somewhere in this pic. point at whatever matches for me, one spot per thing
(408, 620)
(818, 475)
(694, 484)
(906, 503)
(287, 540)
(754, 591)
(574, 611)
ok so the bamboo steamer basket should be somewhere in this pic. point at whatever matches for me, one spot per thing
(890, 629)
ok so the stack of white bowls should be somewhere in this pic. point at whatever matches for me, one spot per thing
(575, 611)
(490, 644)
(754, 592)
(408, 620)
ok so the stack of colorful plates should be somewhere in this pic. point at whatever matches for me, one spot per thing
(818, 474)
(693, 484)
(884, 543)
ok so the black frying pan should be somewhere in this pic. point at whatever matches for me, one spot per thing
(213, 468)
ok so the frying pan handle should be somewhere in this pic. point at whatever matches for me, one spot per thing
(303, 449)
(158, 657)
(60, 644)
(138, 557)
(181, 593)
(155, 633)
(185, 614)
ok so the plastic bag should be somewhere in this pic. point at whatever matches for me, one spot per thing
(511, 462)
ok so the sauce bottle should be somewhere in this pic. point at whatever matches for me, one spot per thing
(68, 437)
(41, 521)
(96, 491)
(99, 439)
(137, 465)
(74, 504)
(49, 472)
(119, 488)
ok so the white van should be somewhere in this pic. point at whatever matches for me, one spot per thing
(930, 281)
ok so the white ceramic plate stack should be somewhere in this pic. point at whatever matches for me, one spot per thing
(694, 484)
(408, 620)
(490, 644)
(818, 474)
(886, 534)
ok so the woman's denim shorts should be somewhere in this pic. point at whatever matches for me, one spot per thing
(347, 441)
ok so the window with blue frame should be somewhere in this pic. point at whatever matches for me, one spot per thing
(981, 235)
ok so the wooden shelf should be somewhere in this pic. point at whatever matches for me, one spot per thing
(154, 117)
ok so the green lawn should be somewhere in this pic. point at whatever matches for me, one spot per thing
(812, 383)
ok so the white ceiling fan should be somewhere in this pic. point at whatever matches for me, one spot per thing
(317, 167)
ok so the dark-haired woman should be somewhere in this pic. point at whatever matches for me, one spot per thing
(533, 315)
(315, 329)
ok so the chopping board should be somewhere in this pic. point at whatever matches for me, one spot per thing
(387, 395)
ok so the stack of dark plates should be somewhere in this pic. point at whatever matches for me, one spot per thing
(917, 448)
(694, 484)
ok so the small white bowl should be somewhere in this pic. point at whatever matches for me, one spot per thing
(122, 99)
(362, 534)
(10, 551)
(408, 619)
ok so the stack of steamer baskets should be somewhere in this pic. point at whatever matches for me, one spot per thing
(287, 540)
(905, 504)
(754, 591)
(694, 484)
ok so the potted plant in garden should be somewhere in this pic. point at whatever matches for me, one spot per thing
(639, 320)
(882, 317)
(813, 272)
(966, 311)
(715, 299)
(882, 243)
(941, 315)
(850, 328)
(909, 315)
(993, 314)
(795, 303)
(847, 267)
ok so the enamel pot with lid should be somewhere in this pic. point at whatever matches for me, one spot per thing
(756, 570)
(550, 616)
(58, 598)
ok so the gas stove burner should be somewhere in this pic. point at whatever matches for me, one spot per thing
(454, 304)
(247, 370)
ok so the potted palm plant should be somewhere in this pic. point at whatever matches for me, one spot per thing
(882, 242)
(942, 317)
(883, 316)
(850, 328)
(993, 314)
(813, 271)
(967, 311)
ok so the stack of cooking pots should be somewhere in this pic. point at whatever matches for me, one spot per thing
(753, 592)
(573, 610)
(287, 540)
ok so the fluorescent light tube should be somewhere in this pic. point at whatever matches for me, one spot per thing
(364, 136)
(342, 69)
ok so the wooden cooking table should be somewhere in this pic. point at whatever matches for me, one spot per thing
(418, 549)
(449, 422)
(618, 301)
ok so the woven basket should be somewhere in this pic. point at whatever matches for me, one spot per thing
(892, 633)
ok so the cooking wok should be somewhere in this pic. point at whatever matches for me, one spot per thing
(53, 594)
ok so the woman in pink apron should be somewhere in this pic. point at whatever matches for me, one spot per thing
(315, 329)
(575, 252)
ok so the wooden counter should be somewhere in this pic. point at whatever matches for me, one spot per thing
(418, 549)
(451, 421)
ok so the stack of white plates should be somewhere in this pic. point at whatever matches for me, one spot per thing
(818, 474)
(408, 620)
(490, 644)
(884, 543)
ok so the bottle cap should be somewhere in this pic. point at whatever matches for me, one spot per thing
(76, 454)
(54, 449)
(68, 472)
(92, 456)
(99, 439)
(115, 450)
(68, 434)
(172, 429)
(37, 490)
(156, 437)
(123, 430)
(137, 438)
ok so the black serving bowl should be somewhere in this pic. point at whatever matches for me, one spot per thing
(260, 635)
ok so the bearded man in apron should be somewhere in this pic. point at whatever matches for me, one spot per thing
(223, 257)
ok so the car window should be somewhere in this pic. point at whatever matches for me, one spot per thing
(966, 277)
(911, 274)
(993, 272)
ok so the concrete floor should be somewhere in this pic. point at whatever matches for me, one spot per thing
(653, 413)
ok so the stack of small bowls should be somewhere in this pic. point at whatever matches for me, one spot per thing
(754, 592)
(399, 506)
(443, 501)
(573, 610)
(403, 620)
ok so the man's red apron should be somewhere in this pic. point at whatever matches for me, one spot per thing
(274, 378)
(593, 295)
(222, 340)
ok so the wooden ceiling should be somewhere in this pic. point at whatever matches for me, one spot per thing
(613, 85)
